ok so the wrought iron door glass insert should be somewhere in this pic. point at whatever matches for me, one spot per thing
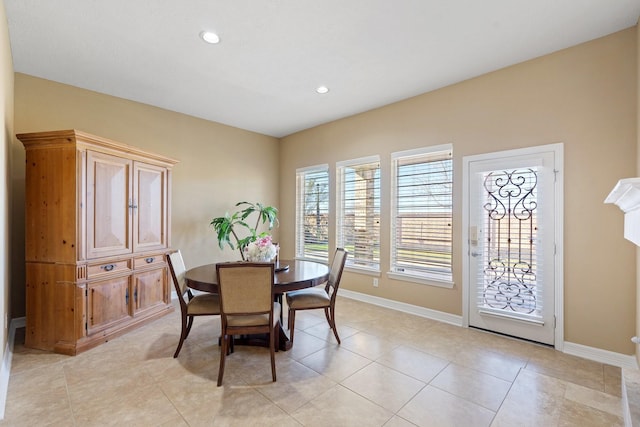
(509, 259)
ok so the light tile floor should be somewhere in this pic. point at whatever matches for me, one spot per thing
(392, 369)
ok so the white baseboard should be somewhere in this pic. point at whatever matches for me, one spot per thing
(599, 355)
(591, 353)
(5, 369)
(441, 316)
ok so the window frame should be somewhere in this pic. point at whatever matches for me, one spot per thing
(422, 276)
(300, 241)
(354, 262)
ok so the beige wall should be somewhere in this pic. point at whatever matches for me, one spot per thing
(219, 165)
(585, 97)
(6, 111)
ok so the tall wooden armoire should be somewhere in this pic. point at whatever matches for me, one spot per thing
(98, 220)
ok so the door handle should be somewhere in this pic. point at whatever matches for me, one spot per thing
(476, 254)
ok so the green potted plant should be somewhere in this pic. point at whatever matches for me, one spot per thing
(225, 226)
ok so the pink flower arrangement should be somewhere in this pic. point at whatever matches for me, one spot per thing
(261, 249)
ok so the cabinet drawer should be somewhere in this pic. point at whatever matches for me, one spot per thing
(108, 268)
(148, 261)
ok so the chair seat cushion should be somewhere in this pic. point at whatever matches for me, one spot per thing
(308, 298)
(254, 319)
(204, 304)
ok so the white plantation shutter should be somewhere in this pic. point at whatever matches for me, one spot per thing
(312, 213)
(358, 211)
(421, 214)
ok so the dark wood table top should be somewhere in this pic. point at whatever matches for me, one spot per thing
(299, 275)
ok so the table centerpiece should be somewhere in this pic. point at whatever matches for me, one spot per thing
(224, 227)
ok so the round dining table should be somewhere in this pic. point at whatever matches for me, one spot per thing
(290, 275)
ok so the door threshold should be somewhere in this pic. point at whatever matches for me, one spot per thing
(513, 337)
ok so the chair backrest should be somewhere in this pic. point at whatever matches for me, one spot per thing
(177, 269)
(335, 273)
(245, 287)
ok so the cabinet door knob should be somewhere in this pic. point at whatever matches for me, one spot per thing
(108, 267)
(149, 260)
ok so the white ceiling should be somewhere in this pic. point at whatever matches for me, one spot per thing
(274, 53)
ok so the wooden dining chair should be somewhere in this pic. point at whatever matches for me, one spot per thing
(247, 306)
(192, 305)
(319, 297)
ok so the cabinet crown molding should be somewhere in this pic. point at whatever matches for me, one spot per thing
(84, 140)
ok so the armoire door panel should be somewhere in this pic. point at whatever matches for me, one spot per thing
(108, 302)
(149, 289)
(149, 214)
(109, 205)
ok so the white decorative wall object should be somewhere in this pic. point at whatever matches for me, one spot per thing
(626, 195)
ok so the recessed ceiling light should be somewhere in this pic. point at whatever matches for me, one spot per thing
(210, 37)
(322, 89)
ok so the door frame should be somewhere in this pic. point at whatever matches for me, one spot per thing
(558, 151)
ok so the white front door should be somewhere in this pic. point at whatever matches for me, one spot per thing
(512, 226)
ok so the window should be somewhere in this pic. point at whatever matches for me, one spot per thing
(358, 211)
(421, 215)
(312, 213)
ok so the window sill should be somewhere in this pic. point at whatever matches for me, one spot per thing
(421, 279)
(362, 270)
